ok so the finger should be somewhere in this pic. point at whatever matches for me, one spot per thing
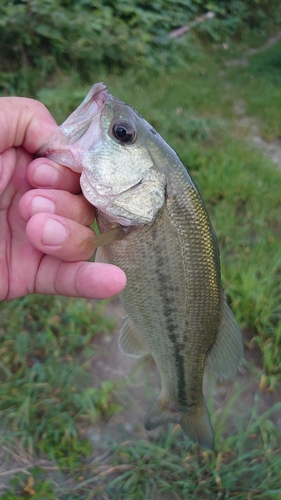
(70, 206)
(46, 173)
(61, 237)
(79, 279)
(24, 122)
(9, 160)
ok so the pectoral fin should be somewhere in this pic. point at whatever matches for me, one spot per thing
(130, 343)
(226, 354)
(100, 256)
(107, 237)
(99, 240)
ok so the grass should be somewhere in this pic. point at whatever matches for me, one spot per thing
(246, 466)
(48, 347)
(259, 86)
(46, 394)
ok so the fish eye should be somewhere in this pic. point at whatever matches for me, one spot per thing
(123, 132)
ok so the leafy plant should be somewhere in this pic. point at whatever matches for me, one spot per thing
(38, 37)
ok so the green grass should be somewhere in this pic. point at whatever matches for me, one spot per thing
(246, 466)
(47, 345)
(46, 395)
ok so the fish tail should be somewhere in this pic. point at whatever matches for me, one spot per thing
(195, 423)
(197, 426)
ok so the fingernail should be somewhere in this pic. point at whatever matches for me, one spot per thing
(54, 233)
(45, 175)
(41, 204)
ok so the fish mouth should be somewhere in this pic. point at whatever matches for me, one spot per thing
(79, 121)
(79, 131)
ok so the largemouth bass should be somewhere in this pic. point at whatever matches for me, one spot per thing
(156, 228)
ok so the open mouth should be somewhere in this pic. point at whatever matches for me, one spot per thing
(79, 121)
(78, 132)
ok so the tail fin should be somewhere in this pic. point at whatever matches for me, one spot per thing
(197, 426)
(195, 423)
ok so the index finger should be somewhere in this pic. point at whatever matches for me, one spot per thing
(24, 122)
(45, 173)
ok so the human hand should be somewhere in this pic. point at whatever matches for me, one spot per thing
(45, 237)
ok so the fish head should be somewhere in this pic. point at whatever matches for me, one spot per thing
(109, 144)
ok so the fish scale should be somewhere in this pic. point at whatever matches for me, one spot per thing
(154, 225)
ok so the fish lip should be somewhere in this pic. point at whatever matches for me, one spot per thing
(88, 110)
(74, 127)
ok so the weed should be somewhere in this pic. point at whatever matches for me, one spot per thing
(244, 466)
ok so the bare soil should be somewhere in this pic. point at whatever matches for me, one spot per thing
(252, 130)
(244, 60)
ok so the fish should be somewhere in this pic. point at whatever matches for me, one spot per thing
(154, 224)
